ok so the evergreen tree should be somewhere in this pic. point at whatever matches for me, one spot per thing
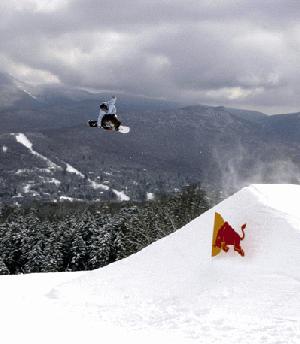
(71, 237)
(78, 252)
(3, 268)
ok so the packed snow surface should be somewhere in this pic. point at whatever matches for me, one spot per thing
(173, 291)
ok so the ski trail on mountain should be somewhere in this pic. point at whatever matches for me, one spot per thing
(22, 139)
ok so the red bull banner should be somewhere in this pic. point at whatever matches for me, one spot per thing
(224, 236)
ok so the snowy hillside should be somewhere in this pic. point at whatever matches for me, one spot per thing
(173, 290)
(43, 179)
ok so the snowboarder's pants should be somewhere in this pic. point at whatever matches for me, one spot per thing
(110, 118)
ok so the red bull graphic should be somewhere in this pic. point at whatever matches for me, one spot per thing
(224, 235)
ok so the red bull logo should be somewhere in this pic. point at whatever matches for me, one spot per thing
(224, 235)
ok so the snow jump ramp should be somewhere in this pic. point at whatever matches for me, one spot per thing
(175, 283)
(174, 288)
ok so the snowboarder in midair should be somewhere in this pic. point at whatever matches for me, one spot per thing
(107, 118)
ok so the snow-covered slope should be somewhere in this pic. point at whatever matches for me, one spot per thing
(173, 290)
(51, 166)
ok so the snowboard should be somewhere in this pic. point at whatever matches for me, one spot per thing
(219, 221)
(122, 128)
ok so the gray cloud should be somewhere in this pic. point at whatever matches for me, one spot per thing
(238, 53)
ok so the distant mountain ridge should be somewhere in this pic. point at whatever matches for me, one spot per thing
(168, 146)
(24, 106)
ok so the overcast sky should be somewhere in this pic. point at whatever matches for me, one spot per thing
(239, 53)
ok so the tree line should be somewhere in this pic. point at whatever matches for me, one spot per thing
(83, 236)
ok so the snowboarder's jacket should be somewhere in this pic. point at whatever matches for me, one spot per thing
(108, 113)
(112, 105)
(109, 107)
